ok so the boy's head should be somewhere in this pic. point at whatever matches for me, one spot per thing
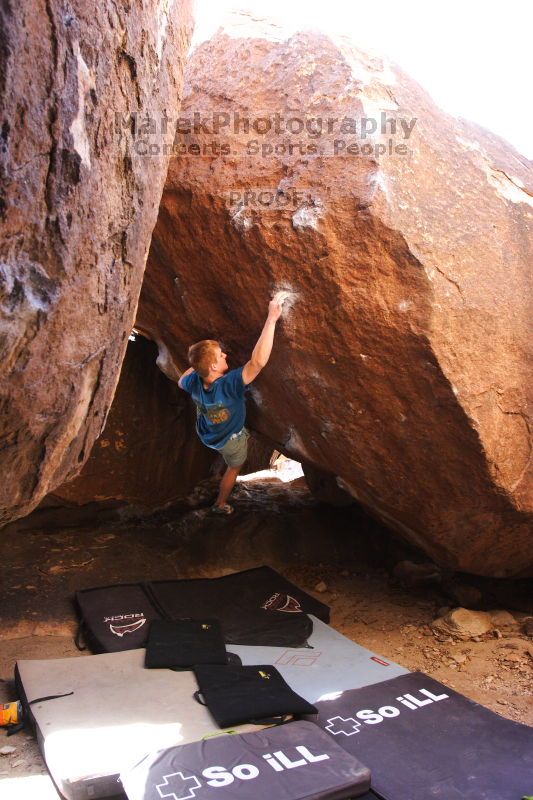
(207, 355)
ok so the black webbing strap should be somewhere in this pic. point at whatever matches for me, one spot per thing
(270, 721)
(11, 729)
(49, 697)
(197, 695)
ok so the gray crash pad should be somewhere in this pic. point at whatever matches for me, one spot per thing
(296, 761)
(333, 664)
(424, 741)
(117, 713)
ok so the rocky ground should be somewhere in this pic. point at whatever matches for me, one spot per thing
(382, 595)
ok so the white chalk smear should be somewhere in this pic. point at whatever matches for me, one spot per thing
(78, 130)
(307, 217)
(165, 361)
(286, 297)
(162, 23)
(256, 395)
(241, 223)
(281, 296)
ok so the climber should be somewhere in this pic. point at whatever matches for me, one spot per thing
(219, 398)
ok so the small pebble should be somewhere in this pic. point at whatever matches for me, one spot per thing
(7, 750)
(321, 587)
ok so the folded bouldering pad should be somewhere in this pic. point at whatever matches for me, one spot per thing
(422, 740)
(333, 663)
(292, 761)
(235, 694)
(178, 644)
(117, 713)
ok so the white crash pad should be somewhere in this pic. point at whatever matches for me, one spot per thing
(118, 713)
(333, 664)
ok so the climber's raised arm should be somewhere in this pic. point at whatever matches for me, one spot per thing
(263, 348)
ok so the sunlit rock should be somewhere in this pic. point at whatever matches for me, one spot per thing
(404, 236)
(78, 203)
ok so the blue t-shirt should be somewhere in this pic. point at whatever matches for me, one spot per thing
(221, 409)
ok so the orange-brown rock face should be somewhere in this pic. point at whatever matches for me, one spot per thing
(148, 454)
(401, 366)
(78, 203)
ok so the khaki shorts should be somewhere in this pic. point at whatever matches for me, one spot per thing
(235, 451)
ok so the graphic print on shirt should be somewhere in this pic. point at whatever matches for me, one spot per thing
(216, 413)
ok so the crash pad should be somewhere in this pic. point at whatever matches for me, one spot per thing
(256, 607)
(118, 712)
(293, 762)
(423, 740)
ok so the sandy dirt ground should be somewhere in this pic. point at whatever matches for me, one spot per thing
(349, 558)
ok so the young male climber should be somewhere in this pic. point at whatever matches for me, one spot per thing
(219, 398)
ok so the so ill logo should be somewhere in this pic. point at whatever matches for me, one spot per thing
(178, 786)
(348, 726)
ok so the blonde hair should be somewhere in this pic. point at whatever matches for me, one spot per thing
(202, 354)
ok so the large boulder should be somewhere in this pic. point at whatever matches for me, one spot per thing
(401, 366)
(78, 203)
(148, 455)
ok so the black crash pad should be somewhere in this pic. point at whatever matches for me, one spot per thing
(291, 761)
(255, 607)
(423, 741)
